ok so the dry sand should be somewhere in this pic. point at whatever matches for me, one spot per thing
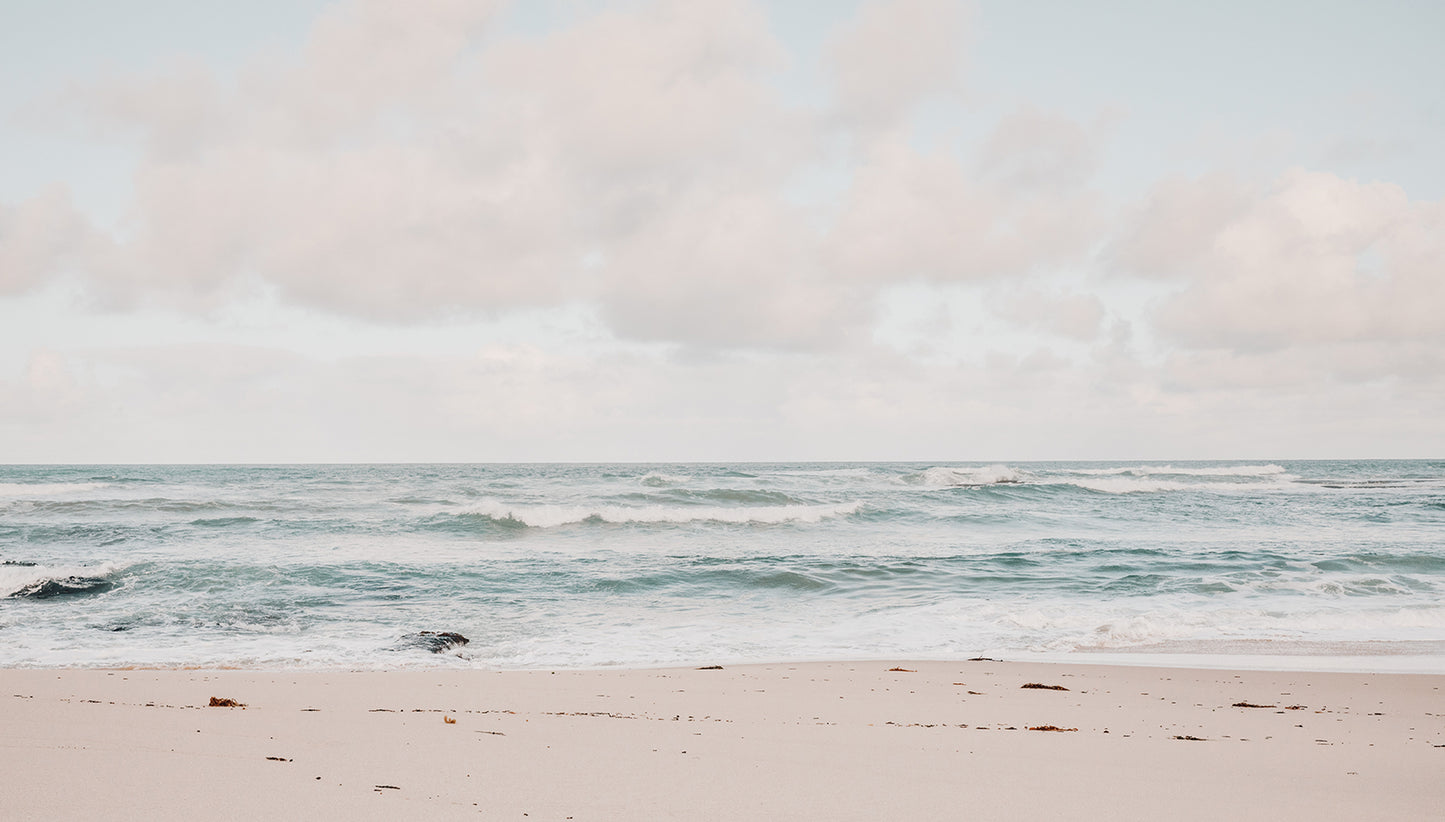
(838, 740)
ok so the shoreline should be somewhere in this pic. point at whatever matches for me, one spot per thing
(849, 740)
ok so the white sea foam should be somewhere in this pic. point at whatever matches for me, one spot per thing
(551, 516)
(22, 490)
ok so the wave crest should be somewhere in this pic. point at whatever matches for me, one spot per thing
(552, 516)
(47, 489)
(950, 477)
(659, 480)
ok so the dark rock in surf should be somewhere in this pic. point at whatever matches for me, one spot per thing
(63, 586)
(437, 642)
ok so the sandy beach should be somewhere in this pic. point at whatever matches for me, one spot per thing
(835, 740)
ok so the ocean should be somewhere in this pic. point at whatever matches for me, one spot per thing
(1322, 564)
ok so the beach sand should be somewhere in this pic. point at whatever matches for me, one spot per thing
(834, 740)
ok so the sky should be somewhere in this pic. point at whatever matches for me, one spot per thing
(720, 230)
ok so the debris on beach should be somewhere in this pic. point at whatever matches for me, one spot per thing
(223, 702)
(1051, 728)
(1187, 738)
(1041, 687)
(711, 668)
(1242, 704)
(449, 720)
(903, 670)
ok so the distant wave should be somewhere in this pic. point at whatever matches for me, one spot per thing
(857, 471)
(949, 477)
(656, 480)
(47, 489)
(1172, 470)
(1122, 480)
(743, 496)
(551, 516)
(1129, 485)
(22, 581)
(164, 505)
(1146, 485)
(223, 522)
(716, 581)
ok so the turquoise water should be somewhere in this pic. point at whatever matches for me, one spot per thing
(1325, 564)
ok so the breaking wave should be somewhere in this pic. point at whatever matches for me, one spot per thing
(25, 581)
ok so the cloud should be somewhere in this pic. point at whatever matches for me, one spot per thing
(729, 270)
(1075, 316)
(1031, 149)
(408, 164)
(412, 163)
(1311, 260)
(1310, 283)
(910, 215)
(330, 177)
(47, 391)
(666, 96)
(40, 238)
(415, 162)
(1173, 230)
(895, 54)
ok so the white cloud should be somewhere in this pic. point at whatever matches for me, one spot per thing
(925, 216)
(1075, 316)
(896, 53)
(640, 165)
(1031, 149)
(414, 164)
(47, 392)
(1175, 226)
(720, 270)
(1312, 260)
(403, 167)
(39, 239)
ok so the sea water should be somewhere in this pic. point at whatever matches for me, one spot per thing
(1274, 564)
